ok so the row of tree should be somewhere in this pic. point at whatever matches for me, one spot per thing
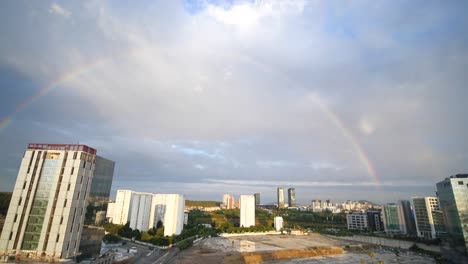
(156, 235)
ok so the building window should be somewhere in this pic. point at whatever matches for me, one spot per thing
(61, 171)
(61, 220)
(65, 203)
(16, 216)
(74, 157)
(84, 164)
(24, 185)
(11, 235)
(58, 237)
(20, 200)
(73, 169)
(460, 182)
(68, 187)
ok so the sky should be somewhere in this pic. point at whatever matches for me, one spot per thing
(341, 100)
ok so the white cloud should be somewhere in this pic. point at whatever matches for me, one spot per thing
(324, 166)
(366, 126)
(199, 167)
(247, 15)
(59, 10)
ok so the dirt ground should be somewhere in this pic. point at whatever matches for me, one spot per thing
(290, 249)
(229, 250)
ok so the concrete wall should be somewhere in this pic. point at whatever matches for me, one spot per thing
(390, 242)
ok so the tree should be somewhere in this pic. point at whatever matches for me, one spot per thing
(159, 224)
(110, 238)
(112, 228)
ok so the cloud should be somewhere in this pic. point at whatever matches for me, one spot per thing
(268, 164)
(199, 167)
(285, 92)
(59, 10)
(366, 127)
(247, 14)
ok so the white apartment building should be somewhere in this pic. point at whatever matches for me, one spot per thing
(229, 201)
(429, 218)
(278, 223)
(247, 210)
(169, 209)
(144, 210)
(225, 199)
(49, 200)
(119, 211)
(357, 221)
(140, 209)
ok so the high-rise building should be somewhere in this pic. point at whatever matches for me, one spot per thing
(375, 220)
(393, 219)
(257, 199)
(225, 199)
(100, 190)
(278, 223)
(47, 209)
(407, 218)
(429, 218)
(230, 202)
(169, 209)
(453, 200)
(280, 194)
(247, 210)
(292, 197)
(119, 212)
(140, 209)
(143, 211)
(102, 180)
(357, 221)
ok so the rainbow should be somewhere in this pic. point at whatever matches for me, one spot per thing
(4, 122)
(349, 136)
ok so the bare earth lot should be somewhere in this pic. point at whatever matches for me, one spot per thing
(283, 249)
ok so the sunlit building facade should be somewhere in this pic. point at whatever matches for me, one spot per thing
(169, 209)
(280, 194)
(119, 212)
(247, 210)
(453, 200)
(48, 206)
(140, 209)
(429, 218)
(278, 223)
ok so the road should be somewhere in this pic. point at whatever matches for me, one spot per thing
(156, 256)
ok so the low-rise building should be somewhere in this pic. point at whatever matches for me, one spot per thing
(357, 221)
(278, 223)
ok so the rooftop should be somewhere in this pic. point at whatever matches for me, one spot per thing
(72, 147)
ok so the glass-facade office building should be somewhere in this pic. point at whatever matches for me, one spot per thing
(453, 199)
(48, 205)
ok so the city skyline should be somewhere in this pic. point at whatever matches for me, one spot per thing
(362, 103)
